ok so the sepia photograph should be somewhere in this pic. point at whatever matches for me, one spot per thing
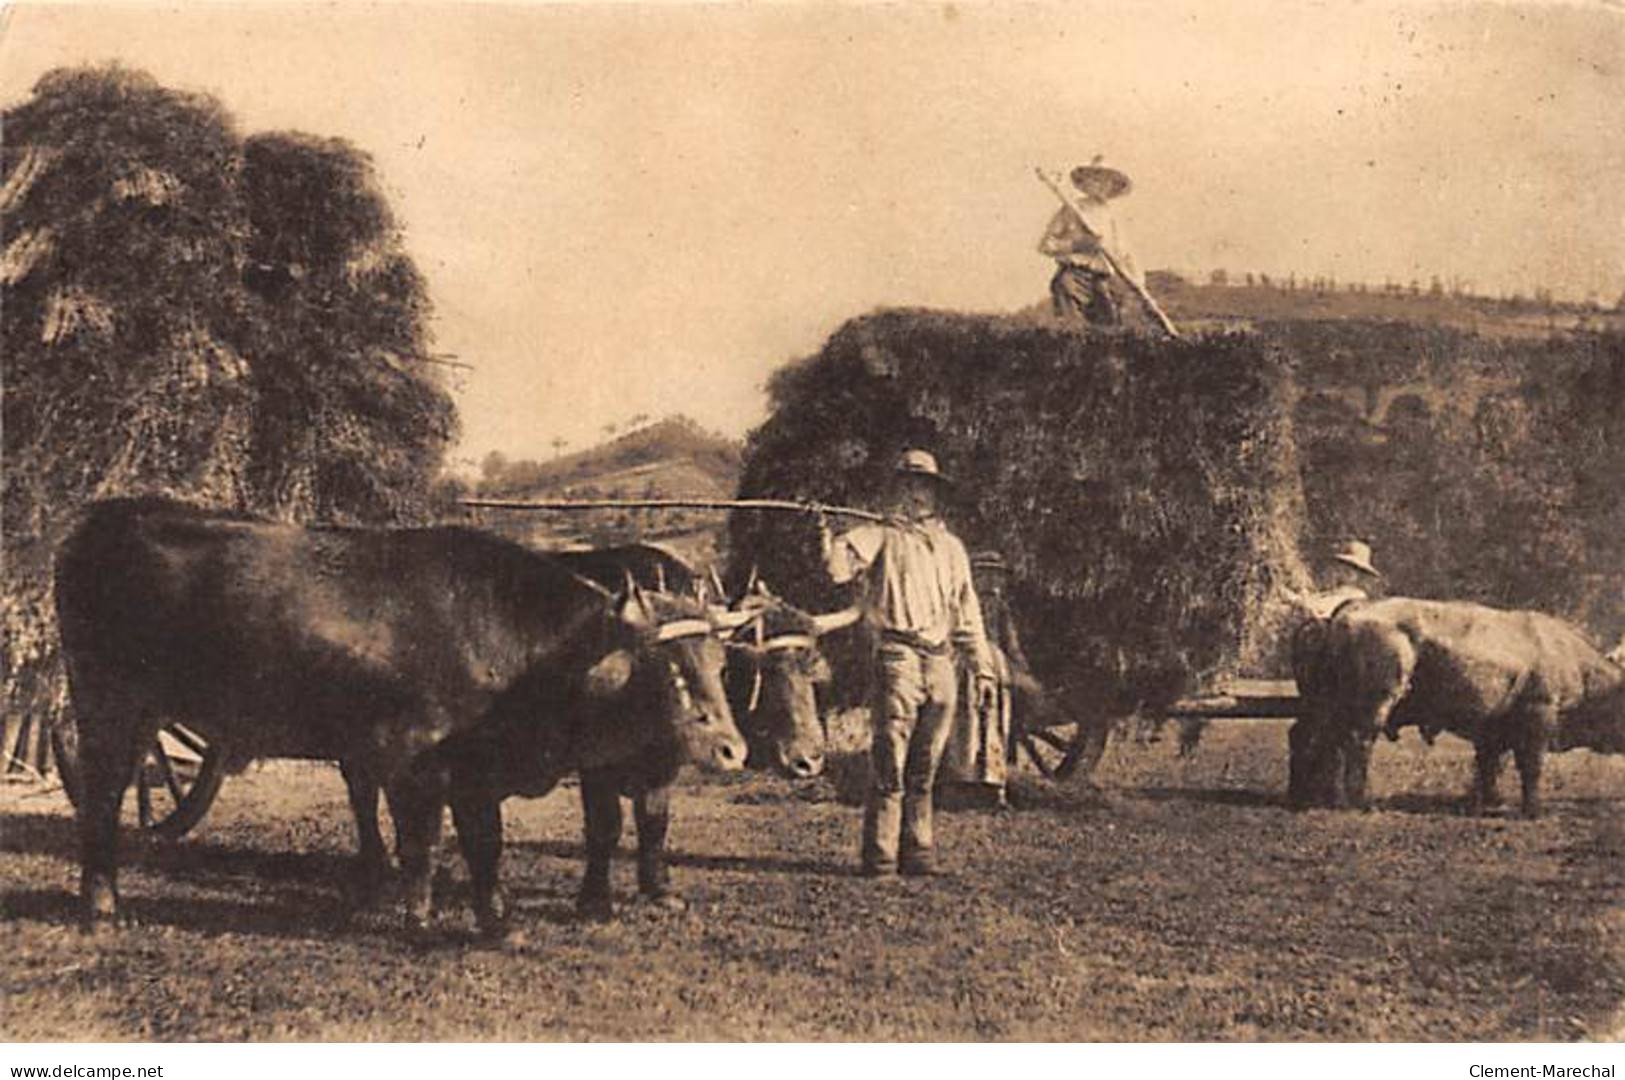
(813, 522)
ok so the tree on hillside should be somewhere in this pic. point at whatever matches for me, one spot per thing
(235, 323)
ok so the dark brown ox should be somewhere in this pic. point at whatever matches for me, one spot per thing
(772, 667)
(1507, 680)
(371, 648)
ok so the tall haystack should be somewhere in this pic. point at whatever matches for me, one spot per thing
(235, 323)
(1145, 492)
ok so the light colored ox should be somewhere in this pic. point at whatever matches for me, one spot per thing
(1507, 680)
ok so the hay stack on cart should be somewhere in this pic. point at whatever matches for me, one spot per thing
(1145, 493)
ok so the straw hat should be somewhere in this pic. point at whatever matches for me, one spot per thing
(1100, 181)
(1357, 553)
(920, 463)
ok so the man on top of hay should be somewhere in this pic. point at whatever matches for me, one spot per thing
(919, 598)
(1081, 286)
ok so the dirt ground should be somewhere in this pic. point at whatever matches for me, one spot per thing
(1181, 902)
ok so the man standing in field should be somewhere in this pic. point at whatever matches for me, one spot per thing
(1350, 577)
(1081, 287)
(919, 598)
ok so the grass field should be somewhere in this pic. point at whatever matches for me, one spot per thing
(1179, 902)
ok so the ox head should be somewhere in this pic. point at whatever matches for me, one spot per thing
(1598, 722)
(669, 666)
(774, 670)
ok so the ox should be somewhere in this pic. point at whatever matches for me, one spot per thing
(774, 663)
(773, 666)
(1507, 680)
(372, 648)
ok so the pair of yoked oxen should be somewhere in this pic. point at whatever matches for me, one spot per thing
(442, 666)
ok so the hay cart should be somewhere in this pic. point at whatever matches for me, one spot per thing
(183, 771)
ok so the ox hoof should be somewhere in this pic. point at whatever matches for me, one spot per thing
(665, 901)
(416, 925)
(502, 936)
(103, 926)
(595, 909)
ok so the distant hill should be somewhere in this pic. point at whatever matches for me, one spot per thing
(670, 458)
(1233, 304)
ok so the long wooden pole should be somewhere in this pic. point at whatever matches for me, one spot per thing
(670, 504)
(1111, 260)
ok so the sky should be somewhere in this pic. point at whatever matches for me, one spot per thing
(631, 209)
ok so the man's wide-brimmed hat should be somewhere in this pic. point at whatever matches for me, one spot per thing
(1357, 554)
(1101, 181)
(920, 463)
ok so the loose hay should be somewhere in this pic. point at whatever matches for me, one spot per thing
(1145, 492)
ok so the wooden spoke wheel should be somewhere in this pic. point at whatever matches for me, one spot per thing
(175, 783)
(1059, 752)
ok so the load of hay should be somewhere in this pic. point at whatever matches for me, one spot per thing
(232, 321)
(1145, 492)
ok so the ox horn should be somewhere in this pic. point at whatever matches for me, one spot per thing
(593, 585)
(728, 621)
(835, 620)
(632, 590)
(681, 628)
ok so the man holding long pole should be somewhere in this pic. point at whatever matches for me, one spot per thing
(1087, 245)
(919, 598)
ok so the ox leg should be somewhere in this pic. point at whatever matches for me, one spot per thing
(1320, 765)
(1487, 756)
(110, 752)
(418, 805)
(372, 862)
(478, 817)
(1529, 752)
(1357, 770)
(1300, 744)
(601, 809)
(651, 809)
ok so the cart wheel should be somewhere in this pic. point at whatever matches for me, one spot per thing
(1059, 752)
(176, 782)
